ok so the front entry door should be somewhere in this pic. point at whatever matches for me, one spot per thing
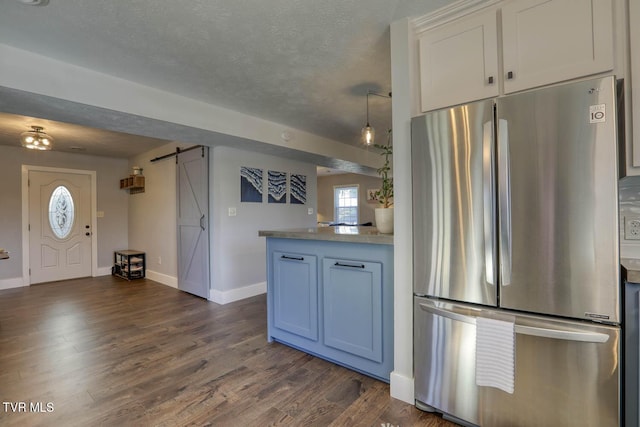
(59, 226)
(193, 221)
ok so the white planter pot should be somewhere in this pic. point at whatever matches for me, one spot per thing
(384, 220)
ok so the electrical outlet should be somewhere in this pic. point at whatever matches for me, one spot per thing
(310, 211)
(632, 228)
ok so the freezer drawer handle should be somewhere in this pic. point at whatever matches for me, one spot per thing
(448, 314)
(558, 334)
(562, 334)
(295, 258)
(339, 264)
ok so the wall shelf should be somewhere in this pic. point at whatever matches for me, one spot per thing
(134, 184)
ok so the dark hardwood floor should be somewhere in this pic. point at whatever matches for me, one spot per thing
(105, 351)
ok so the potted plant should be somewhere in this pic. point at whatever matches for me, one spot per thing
(384, 213)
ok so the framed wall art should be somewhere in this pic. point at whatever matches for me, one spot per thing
(277, 187)
(298, 189)
(250, 184)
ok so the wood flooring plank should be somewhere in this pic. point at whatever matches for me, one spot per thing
(366, 409)
(106, 351)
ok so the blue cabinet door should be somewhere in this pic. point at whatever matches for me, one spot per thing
(352, 307)
(295, 294)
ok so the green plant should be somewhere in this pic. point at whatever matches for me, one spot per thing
(385, 194)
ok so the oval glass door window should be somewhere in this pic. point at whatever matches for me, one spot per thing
(61, 212)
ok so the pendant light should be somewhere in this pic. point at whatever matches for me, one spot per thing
(36, 139)
(368, 132)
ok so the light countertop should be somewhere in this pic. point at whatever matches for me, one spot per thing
(632, 267)
(353, 234)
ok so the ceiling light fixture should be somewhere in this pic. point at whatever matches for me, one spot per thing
(368, 132)
(36, 139)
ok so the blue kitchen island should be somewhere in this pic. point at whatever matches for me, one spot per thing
(330, 294)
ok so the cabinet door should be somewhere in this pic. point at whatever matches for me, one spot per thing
(459, 62)
(295, 294)
(548, 41)
(352, 307)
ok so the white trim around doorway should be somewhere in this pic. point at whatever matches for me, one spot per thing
(26, 280)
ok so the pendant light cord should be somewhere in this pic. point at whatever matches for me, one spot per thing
(368, 93)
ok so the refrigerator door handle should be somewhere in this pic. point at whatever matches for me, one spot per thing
(488, 202)
(504, 188)
(558, 334)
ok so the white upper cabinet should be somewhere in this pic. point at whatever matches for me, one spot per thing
(548, 41)
(538, 42)
(459, 62)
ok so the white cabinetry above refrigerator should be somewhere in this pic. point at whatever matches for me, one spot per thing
(540, 42)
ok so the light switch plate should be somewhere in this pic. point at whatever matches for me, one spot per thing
(232, 211)
(310, 211)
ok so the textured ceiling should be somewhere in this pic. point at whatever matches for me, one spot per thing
(304, 63)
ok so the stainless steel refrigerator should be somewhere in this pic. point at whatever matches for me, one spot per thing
(516, 219)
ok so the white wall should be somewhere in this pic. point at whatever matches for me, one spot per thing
(112, 228)
(629, 206)
(366, 210)
(402, 75)
(238, 255)
(152, 214)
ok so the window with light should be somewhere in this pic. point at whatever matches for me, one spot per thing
(61, 212)
(345, 204)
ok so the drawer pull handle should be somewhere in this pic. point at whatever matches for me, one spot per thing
(295, 258)
(339, 264)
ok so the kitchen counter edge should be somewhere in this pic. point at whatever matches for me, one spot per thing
(349, 234)
(630, 269)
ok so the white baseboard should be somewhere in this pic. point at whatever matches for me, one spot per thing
(165, 279)
(402, 388)
(225, 297)
(103, 271)
(15, 282)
